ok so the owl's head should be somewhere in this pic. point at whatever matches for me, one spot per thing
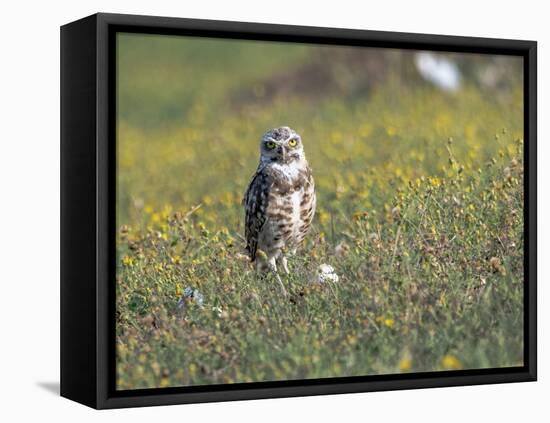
(281, 145)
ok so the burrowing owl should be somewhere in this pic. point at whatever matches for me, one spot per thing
(280, 200)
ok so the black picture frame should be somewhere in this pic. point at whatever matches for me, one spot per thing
(88, 215)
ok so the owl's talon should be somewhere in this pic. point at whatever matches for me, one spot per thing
(283, 289)
(284, 262)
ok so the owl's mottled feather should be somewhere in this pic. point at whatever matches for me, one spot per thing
(255, 202)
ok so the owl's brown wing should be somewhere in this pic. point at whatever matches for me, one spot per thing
(307, 204)
(255, 204)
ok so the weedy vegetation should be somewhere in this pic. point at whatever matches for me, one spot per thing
(420, 213)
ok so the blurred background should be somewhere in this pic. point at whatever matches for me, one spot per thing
(191, 112)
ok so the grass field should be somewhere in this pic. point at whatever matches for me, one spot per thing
(420, 212)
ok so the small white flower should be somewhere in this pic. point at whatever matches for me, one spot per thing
(326, 273)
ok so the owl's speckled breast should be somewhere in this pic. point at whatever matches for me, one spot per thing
(290, 208)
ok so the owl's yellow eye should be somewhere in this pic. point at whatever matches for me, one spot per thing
(292, 143)
(270, 145)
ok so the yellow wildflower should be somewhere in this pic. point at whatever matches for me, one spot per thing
(450, 362)
(405, 364)
(386, 321)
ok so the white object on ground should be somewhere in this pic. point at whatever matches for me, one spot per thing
(326, 273)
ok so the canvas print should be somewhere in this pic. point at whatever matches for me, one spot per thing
(289, 211)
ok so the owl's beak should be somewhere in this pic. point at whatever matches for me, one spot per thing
(283, 153)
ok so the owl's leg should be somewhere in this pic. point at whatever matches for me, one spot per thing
(272, 262)
(284, 263)
(283, 289)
